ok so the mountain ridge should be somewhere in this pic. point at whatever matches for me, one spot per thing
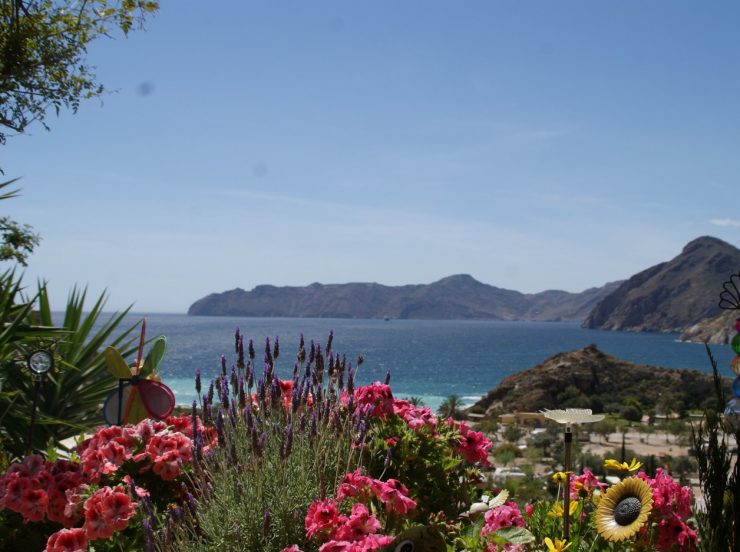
(459, 296)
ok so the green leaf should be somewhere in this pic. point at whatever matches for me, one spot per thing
(513, 535)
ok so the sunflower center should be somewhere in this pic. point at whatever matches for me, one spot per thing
(627, 511)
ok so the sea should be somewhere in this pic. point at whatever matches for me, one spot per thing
(429, 359)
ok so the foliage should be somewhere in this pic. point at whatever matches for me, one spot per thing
(42, 53)
(311, 464)
(16, 315)
(451, 407)
(71, 394)
(17, 241)
(717, 520)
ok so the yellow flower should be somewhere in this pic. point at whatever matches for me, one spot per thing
(559, 477)
(557, 509)
(612, 464)
(557, 546)
(624, 509)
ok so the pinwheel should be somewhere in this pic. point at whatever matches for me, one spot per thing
(140, 394)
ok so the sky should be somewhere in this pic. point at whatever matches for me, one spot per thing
(533, 145)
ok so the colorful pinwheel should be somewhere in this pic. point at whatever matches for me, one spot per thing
(140, 394)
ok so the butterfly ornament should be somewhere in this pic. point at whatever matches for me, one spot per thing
(140, 393)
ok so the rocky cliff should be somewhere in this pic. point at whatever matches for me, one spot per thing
(589, 378)
(455, 297)
(670, 296)
(718, 330)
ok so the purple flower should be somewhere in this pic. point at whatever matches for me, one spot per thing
(148, 535)
(240, 353)
(266, 523)
(329, 341)
(387, 378)
(223, 365)
(197, 381)
(251, 350)
(276, 348)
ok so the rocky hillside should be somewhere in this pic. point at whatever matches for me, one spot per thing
(589, 378)
(454, 297)
(718, 330)
(670, 296)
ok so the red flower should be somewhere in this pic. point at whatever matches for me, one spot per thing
(377, 395)
(106, 511)
(473, 445)
(394, 495)
(67, 540)
(356, 485)
(322, 519)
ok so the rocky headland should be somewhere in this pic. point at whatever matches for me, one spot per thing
(589, 378)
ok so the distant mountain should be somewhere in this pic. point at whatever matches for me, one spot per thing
(455, 297)
(589, 378)
(670, 296)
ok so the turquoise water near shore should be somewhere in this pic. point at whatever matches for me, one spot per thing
(430, 359)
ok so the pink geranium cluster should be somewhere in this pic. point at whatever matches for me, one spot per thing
(376, 395)
(506, 515)
(416, 418)
(106, 511)
(671, 507)
(35, 489)
(161, 447)
(68, 492)
(357, 532)
(473, 445)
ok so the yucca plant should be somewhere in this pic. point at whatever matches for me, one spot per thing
(15, 330)
(72, 394)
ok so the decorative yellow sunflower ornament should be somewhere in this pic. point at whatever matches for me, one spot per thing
(624, 509)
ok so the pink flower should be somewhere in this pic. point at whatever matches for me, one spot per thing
(67, 540)
(321, 519)
(394, 495)
(355, 485)
(506, 515)
(529, 508)
(584, 485)
(473, 445)
(672, 530)
(359, 524)
(376, 395)
(35, 502)
(291, 548)
(106, 511)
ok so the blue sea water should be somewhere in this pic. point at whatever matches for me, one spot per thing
(428, 359)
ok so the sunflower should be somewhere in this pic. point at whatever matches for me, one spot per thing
(624, 509)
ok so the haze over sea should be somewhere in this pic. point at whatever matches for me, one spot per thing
(431, 359)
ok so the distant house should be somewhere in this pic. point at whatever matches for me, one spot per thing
(523, 419)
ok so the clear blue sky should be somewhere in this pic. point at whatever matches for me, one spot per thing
(534, 145)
